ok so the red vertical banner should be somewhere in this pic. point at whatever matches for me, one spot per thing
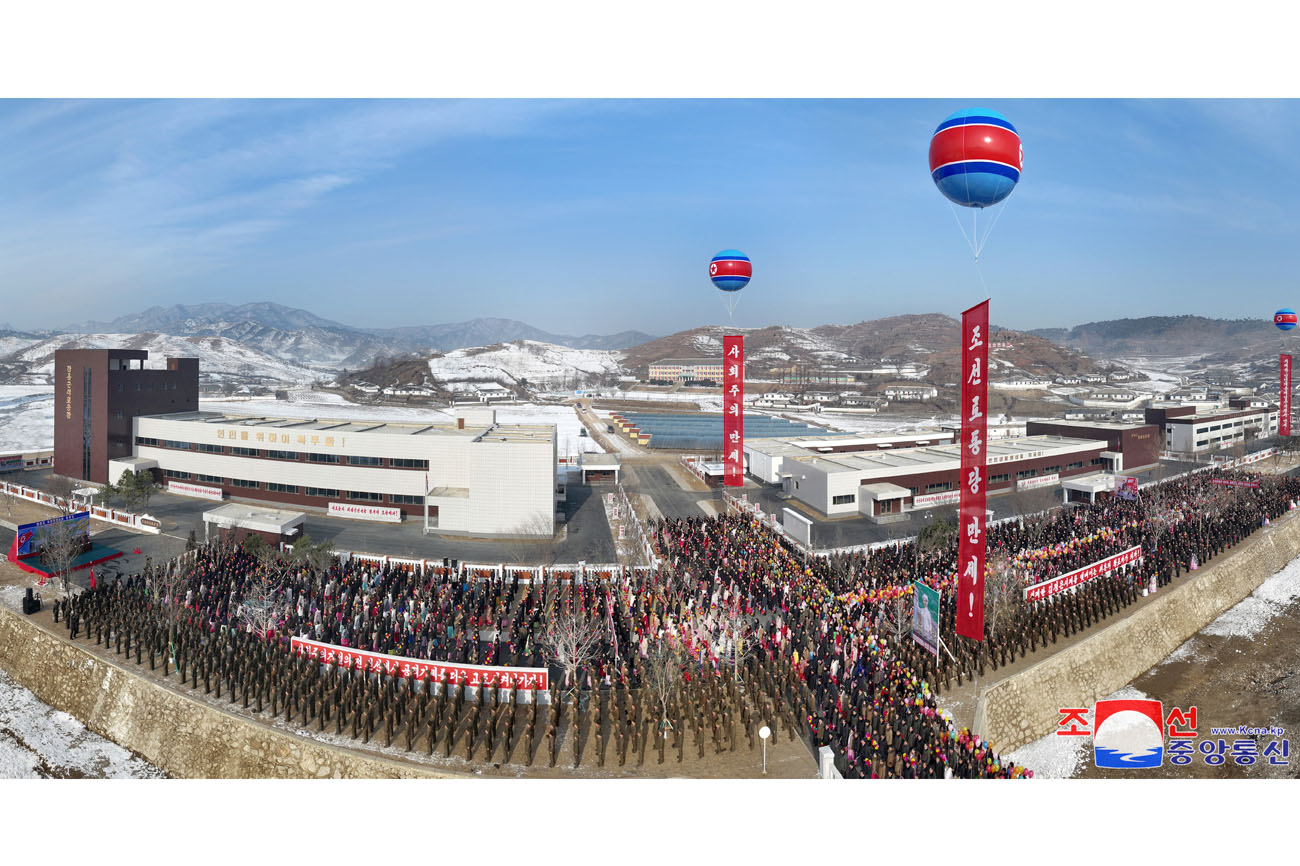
(974, 436)
(733, 410)
(1284, 401)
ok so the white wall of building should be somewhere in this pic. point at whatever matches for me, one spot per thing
(1202, 436)
(510, 484)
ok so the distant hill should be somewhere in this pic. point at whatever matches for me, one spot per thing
(1170, 336)
(221, 361)
(931, 341)
(301, 337)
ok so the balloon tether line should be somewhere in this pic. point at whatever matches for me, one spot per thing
(962, 229)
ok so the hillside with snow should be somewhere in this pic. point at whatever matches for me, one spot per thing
(220, 360)
(525, 362)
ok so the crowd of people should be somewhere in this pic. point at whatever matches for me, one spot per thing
(822, 640)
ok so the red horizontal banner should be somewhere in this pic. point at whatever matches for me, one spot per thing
(1227, 483)
(1049, 588)
(421, 669)
(733, 410)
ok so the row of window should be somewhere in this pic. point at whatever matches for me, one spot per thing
(394, 462)
(1002, 477)
(275, 487)
(148, 386)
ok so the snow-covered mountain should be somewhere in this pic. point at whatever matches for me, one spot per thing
(304, 338)
(524, 362)
(220, 360)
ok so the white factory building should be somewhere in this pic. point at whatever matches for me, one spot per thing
(1201, 431)
(475, 475)
(884, 484)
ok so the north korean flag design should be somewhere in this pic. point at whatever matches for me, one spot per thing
(730, 270)
(1284, 319)
(976, 157)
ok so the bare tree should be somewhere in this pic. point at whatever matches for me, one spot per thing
(262, 605)
(529, 542)
(894, 618)
(737, 635)
(10, 494)
(1003, 594)
(572, 642)
(60, 545)
(661, 675)
(166, 585)
(61, 487)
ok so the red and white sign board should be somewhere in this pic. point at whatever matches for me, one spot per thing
(1049, 588)
(183, 489)
(438, 672)
(365, 512)
(733, 410)
(973, 480)
(930, 500)
(1040, 481)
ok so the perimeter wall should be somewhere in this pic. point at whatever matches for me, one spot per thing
(185, 737)
(1025, 706)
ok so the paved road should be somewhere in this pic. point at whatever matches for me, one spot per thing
(671, 499)
(586, 537)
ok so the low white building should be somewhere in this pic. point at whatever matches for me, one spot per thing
(911, 393)
(478, 477)
(837, 484)
(1216, 431)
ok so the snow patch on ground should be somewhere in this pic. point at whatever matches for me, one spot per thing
(27, 425)
(568, 427)
(1056, 757)
(1189, 651)
(38, 741)
(1258, 609)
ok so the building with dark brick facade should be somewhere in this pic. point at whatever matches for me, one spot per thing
(98, 395)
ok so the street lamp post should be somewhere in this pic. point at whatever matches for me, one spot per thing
(763, 733)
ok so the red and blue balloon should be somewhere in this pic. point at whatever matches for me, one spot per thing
(1284, 319)
(730, 270)
(976, 157)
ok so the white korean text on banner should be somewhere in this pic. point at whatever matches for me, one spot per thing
(974, 455)
(1062, 582)
(733, 410)
(435, 671)
(1284, 395)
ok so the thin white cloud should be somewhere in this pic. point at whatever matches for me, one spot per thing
(103, 194)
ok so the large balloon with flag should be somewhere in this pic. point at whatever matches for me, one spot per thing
(1285, 319)
(730, 271)
(976, 157)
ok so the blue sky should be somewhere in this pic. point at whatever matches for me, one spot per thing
(599, 216)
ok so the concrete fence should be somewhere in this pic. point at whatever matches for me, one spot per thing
(141, 522)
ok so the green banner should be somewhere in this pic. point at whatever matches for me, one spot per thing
(925, 616)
